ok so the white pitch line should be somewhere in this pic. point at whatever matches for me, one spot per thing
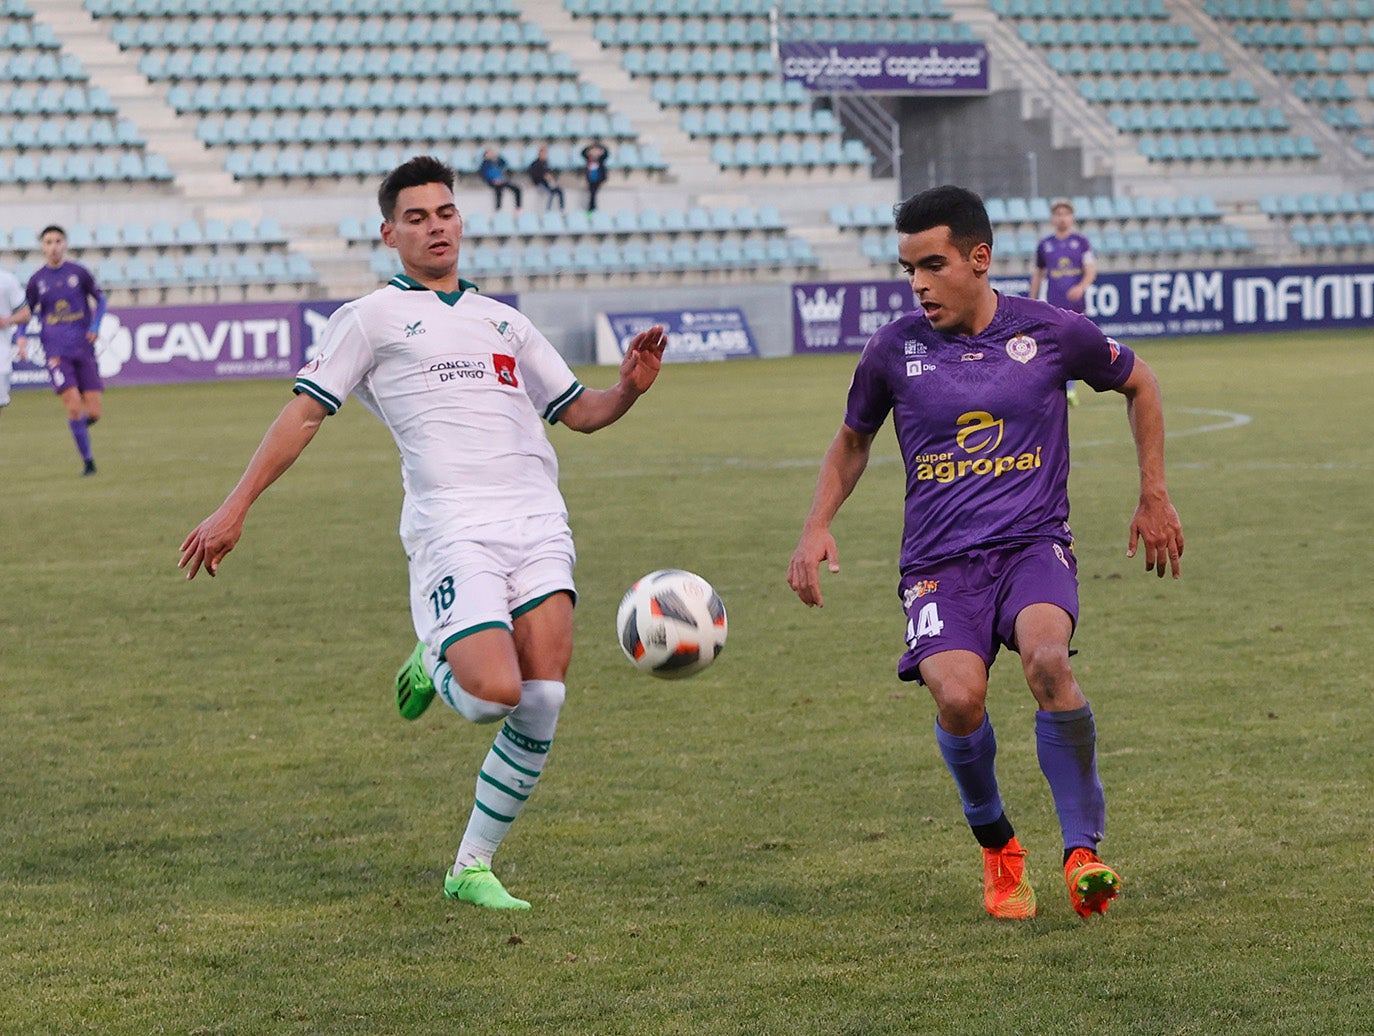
(1230, 420)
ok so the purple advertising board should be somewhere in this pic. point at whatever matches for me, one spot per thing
(840, 316)
(885, 67)
(155, 345)
(146, 345)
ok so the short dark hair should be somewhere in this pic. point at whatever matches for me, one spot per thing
(948, 206)
(50, 228)
(420, 170)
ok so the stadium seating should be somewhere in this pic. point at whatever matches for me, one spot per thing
(316, 98)
(1323, 49)
(1180, 104)
(1143, 227)
(550, 247)
(278, 87)
(717, 72)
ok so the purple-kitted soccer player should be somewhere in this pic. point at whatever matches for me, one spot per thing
(1064, 262)
(975, 385)
(69, 306)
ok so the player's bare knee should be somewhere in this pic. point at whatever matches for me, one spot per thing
(499, 690)
(1048, 673)
(961, 709)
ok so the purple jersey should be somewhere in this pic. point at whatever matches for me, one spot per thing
(982, 422)
(61, 300)
(1062, 259)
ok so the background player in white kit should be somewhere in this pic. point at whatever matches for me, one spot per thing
(462, 382)
(14, 312)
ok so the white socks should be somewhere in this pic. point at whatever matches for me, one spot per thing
(512, 766)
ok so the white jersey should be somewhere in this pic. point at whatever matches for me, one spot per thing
(11, 294)
(462, 381)
(11, 299)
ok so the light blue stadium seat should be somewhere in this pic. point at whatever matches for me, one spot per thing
(137, 272)
(162, 234)
(106, 236)
(553, 223)
(110, 272)
(194, 269)
(560, 258)
(188, 234)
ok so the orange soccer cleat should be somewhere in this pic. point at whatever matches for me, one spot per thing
(1092, 884)
(1006, 892)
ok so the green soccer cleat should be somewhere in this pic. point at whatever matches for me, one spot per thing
(477, 884)
(414, 686)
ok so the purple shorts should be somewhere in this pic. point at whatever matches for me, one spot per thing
(81, 372)
(971, 602)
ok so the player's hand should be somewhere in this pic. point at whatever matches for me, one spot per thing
(23, 342)
(1157, 525)
(803, 572)
(643, 358)
(209, 541)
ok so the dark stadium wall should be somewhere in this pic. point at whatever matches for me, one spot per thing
(982, 143)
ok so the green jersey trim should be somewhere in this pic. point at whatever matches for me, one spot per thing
(450, 298)
(309, 388)
(556, 408)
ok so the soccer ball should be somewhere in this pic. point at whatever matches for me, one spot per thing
(671, 624)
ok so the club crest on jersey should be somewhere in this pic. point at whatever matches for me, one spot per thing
(1022, 348)
(505, 369)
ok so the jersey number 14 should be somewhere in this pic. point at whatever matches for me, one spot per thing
(926, 624)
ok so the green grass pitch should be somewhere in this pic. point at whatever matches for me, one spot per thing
(214, 821)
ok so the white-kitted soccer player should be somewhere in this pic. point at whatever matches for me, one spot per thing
(464, 383)
(14, 312)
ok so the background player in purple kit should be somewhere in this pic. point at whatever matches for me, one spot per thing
(69, 306)
(975, 384)
(1065, 260)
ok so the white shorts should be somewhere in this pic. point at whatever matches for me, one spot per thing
(488, 576)
(6, 367)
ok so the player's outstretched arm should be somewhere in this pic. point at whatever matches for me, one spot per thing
(596, 408)
(291, 432)
(1155, 522)
(844, 462)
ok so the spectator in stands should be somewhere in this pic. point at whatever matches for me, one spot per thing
(69, 306)
(1065, 259)
(496, 174)
(595, 155)
(14, 312)
(545, 177)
